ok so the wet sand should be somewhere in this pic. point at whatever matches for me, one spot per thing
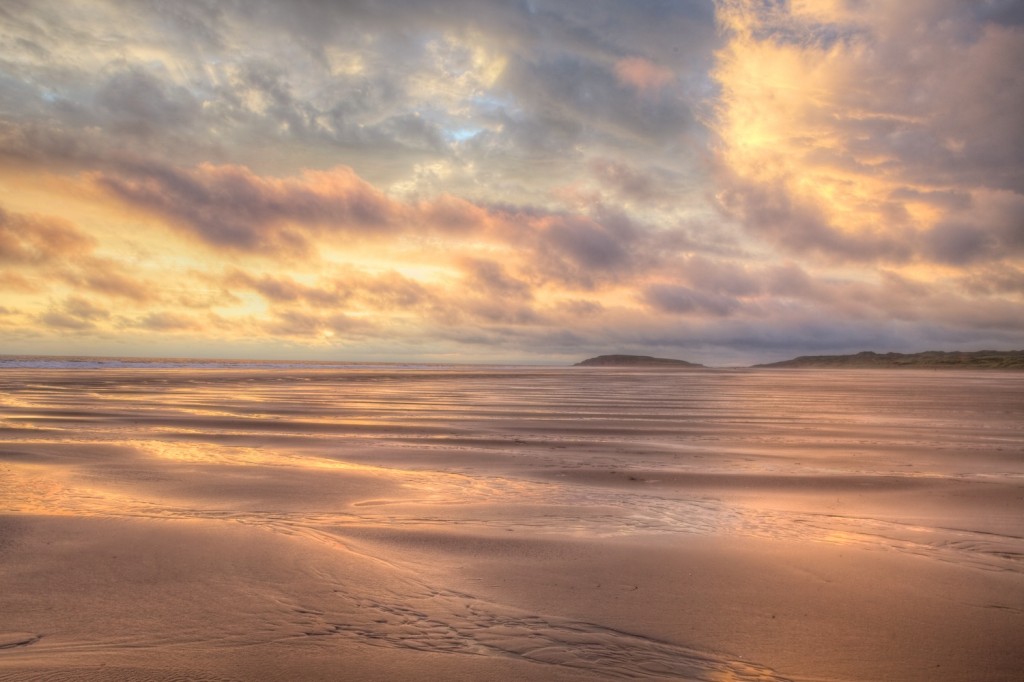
(529, 524)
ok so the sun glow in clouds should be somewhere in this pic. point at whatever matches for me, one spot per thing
(726, 182)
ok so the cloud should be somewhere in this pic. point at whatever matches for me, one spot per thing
(346, 289)
(834, 137)
(588, 244)
(428, 177)
(76, 314)
(994, 280)
(991, 228)
(720, 277)
(673, 298)
(137, 103)
(169, 321)
(315, 327)
(386, 88)
(591, 99)
(580, 308)
(789, 280)
(392, 291)
(281, 289)
(804, 224)
(231, 207)
(625, 180)
(63, 321)
(642, 74)
(957, 244)
(50, 251)
(109, 278)
(33, 240)
(490, 278)
(84, 309)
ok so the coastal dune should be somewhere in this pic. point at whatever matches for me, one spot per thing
(489, 523)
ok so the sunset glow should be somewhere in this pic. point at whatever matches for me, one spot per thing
(729, 182)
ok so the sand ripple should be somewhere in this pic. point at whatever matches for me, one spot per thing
(544, 453)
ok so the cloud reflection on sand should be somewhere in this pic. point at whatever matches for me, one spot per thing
(925, 465)
(604, 460)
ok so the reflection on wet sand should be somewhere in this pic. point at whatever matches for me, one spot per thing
(432, 486)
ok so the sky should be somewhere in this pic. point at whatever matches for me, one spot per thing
(533, 181)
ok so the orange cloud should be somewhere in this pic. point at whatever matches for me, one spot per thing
(109, 278)
(29, 239)
(822, 149)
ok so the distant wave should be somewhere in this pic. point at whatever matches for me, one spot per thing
(85, 362)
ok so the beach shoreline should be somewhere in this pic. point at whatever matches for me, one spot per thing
(541, 523)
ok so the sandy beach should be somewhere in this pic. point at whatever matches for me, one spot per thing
(511, 524)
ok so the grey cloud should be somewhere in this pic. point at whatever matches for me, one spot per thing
(583, 91)
(996, 278)
(589, 244)
(581, 308)
(138, 103)
(993, 230)
(538, 341)
(584, 251)
(296, 323)
(789, 280)
(769, 210)
(303, 324)
(640, 185)
(1006, 12)
(560, 88)
(36, 143)
(957, 244)
(589, 250)
(414, 132)
(950, 199)
(672, 298)
(387, 291)
(503, 312)
(74, 313)
(391, 291)
(960, 127)
(165, 321)
(491, 278)
(720, 277)
(287, 290)
(538, 135)
(200, 24)
(230, 207)
(585, 26)
(61, 320)
(83, 309)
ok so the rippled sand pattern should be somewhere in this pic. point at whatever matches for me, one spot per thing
(394, 475)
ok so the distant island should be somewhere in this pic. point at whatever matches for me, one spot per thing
(932, 359)
(633, 361)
